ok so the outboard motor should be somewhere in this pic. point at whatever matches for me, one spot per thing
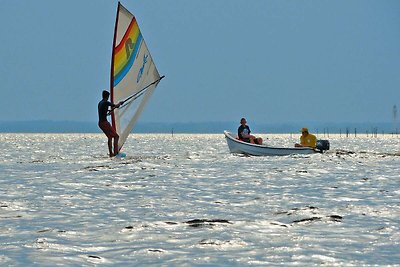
(323, 145)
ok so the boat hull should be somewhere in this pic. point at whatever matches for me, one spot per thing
(239, 147)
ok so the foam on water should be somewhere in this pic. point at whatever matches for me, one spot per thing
(184, 200)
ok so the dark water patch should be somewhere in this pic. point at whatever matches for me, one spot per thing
(94, 257)
(396, 154)
(41, 240)
(131, 162)
(279, 224)
(41, 243)
(336, 218)
(156, 250)
(240, 155)
(314, 215)
(293, 210)
(210, 242)
(96, 168)
(130, 227)
(92, 169)
(340, 152)
(45, 230)
(207, 220)
(171, 223)
(365, 154)
(138, 159)
(37, 161)
(11, 217)
(307, 220)
(198, 223)
(305, 208)
(383, 155)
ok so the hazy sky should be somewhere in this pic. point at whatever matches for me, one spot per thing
(270, 61)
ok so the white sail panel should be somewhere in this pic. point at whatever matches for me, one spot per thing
(133, 74)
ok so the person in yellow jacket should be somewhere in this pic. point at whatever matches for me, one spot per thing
(307, 139)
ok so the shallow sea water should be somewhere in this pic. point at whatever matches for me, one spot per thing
(184, 200)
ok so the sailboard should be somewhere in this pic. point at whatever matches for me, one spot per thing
(134, 75)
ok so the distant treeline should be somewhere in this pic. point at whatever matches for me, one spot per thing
(198, 127)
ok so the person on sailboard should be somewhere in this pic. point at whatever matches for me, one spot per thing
(244, 133)
(105, 126)
(307, 139)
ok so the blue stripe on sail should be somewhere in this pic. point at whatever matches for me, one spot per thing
(128, 66)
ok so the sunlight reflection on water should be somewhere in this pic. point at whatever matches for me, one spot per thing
(184, 200)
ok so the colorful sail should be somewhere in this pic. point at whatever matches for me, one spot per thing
(133, 74)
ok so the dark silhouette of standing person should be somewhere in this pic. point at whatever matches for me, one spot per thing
(105, 126)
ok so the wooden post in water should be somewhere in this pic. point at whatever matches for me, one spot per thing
(395, 118)
(355, 132)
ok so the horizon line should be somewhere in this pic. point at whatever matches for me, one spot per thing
(52, 126)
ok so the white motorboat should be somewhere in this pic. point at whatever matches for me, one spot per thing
(237, 146)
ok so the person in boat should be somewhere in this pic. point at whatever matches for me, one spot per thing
(244, 133)
(307, 139)
(105, 126)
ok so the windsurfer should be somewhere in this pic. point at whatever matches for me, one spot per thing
(105, 126)
(244, 133)
(307, 139)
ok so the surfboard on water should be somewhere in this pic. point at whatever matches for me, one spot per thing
(120, 155)
(134, 75)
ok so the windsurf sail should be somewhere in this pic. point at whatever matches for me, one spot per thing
(134, 76)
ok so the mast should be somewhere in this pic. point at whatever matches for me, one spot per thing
(112, 65)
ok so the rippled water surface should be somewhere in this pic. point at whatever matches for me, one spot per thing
(183, 200)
